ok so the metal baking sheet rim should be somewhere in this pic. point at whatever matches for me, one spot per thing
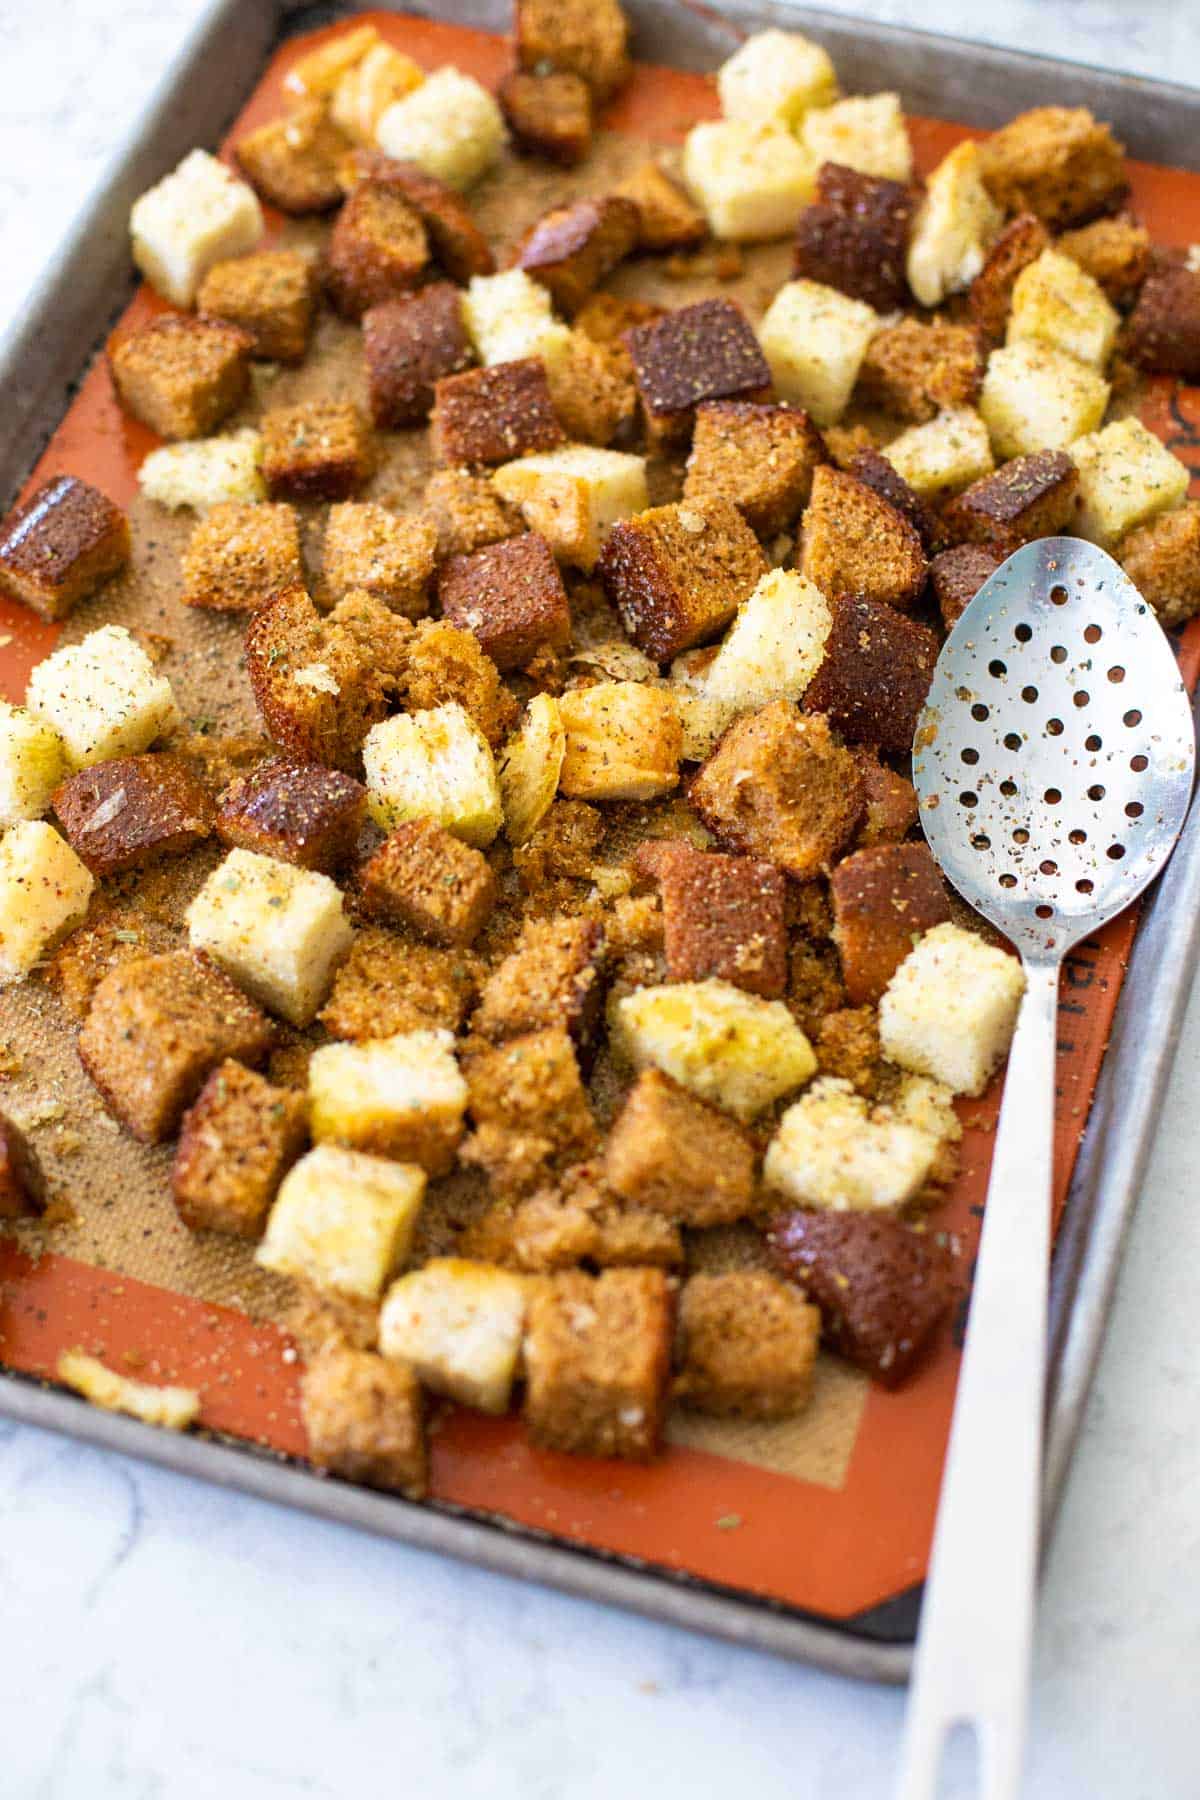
(40, 361)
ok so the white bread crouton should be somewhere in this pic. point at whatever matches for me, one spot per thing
(342, 1222)
(750, 181)
(434, 764)
(369, 87)
(1037, 398)
(1058, 303)
(734, 1049)
(774, 646)
(198, 215)
(866, 133)
(510, 316)
(954, 226)
(44, 893)
(774, 78)
(173, 1407)
(450, 126)
(814, 339)
(624, 742)
(458, 1324)
(32, 763)
(205, 472)
(103, 697)
(950, 1009)
(945, 455)
(530, 767)
(833, 1153)
(400, 1096)
(1127, 476)
(574, 497)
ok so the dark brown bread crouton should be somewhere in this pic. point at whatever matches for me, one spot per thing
(319, 450)
(597, 1358)
(296, 812)
(874, 470)
(847, 1047)
(387, 985)
(443, 664)
(426, 878)
(293, 161)
(588, 38)
(1114, 252)
(548, 115)
(571, 249)
(133, 810)
(531, 1112)
(667, 219)
(916, 370)
(855, 543)
(60, 545)
(369, 550)
(891, 801)
(669, 1153)
(854, 237)
(156, 1027)
(723, 916)
(1163, 332)
(377, 249)
(747, 1345)
(236, 1144)
(677, 574)
(883, 900)
(1162, 559)
(874, 675)
(409, 344)
(182, 376)
(316, 690)
(493, 415)
(82, 960)
(561, 1227)
(510, 596)
(240, 555)
(467, 512)
(702, 352)
(781, 786)
(956, 576)
(553, 976)
(883, 1288)
(271, 296)
(1057, 162)
(1029, 497)
(761, 458)
(458, 244)
(365, 1419)
(592, 391)
(22, 1183)
(990, 299)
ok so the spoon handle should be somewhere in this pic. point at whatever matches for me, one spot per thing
(973, 1655)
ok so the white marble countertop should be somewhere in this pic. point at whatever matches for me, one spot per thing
(162, 1638)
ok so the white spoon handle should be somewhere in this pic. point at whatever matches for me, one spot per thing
(973, 1654)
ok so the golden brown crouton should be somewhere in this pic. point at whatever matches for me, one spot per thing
(493, 415)
(316, 689)
(270, 295)
(82, 960)
(364, 1416)
(133, 810)
(237, 1143)
(747, 1345)
(377, 249)
(387, 984)
(956, 576)
(553, 976)
(874, 675)
(1163, 332)
(1115, 252)
(856, 543)
(706, 351)
(444, 664)
(156, 1027)
(381, 637)
(597, 1356)
(530, 1109)
(917, 370)
(990, 299)
(579, 1221)
(847, 1047)
(457, 241)
(293, 161)
(467, 512)
(677, 574)
(60, 545)
(510, 596)
(723, 916)
(369, 549)
(670, 1153)
(425, 878)
(588, 38)
(296, 812)
(548, 115)
(1029, 497)
(409, 343)
(845, 443)
(605, 318)
(572, 248)
(1162, 559)
(667, 219)
(854, 237)
(554, 865)
(1057, 162)
(760, 457)
(592, 391)
(891, 801)
(241, 554)
(319, 450)
(182, 376)
(883, 900)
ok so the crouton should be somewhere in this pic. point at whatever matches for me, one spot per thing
(271, 296)
(553, 976)
(723, 916)
(865, 133)
(370, 550)
(387, 985)
(510, 317)
(1114, 252)
(172, 1408)
(677, 574)
(409, 344)
(667, 220)
(22, 1182)
(1037, 398)
(1126, 477)
(597, 1356)
(1057, 162)
(1162, 559)
(156, 1028)
(365, 91)
(1056, 302)
(240, 555)
(760, 457)
(780, 786)
(83, 959)
(317, 693)
(706, 351)
(531, 1112)
(847, 1047)
(776, 76)
(425, 878)
(883, 900)
(770, 652)
(297, 812)
(875, 674)
(433, 764)
(624, 742)
(467, 512)
(343, 1221)
(549, 115)
(580, 1221)
(891, 802)
(1163, 333)
(731, 1048)
(60, 545)
(194, 217)
(832, 1152)
(750, 180)
(571, 249)
(946, 455)
(401, 1097)
(316, 74)
(293, 161)
(458, 244)
(605, 319)
(815, 339)
(916, 370)
(31, 765)
(954, 227)
(1019, 244)
(364, 1419)
(588, 38)
(445, 664)
(951, 1008)
(103, 697)
(854, 237)
(181, 376)
(882, 1288)
(510, 597)
(572, 498)
(318, 450)
(956, 576)
(491, 415)
(592, 390)
(450, 127)
(458, 1325)
(873, 469)
(1029, 497)
(205, 473)
(673, 1155)
(747, 1345)
(237, 1142)
(855, 543)
(132, 810)
(377, 249)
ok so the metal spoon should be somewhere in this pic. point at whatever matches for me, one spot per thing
(1054, 766)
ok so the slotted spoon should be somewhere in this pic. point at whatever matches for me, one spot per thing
(1054, 766)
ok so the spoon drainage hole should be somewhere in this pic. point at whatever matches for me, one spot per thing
(1059, 653)
(1044, 911)
(970, 756)
(1008, 789)
(1029, 695)
(1139, 764)
(1093, 743)
(1084, 887)
(1132, 718)
(1134, 810)
(1054, 727)
(981, 842)
(1116, 674)
(1092, 634)
(998, 669)
(1020, 835)
(1012, 741)
(1023, 633)
(1052, 796)
(1095, 793)
(979, 712)
(1115, 852)
(967, 798)
(1081, 698)
(1048, 867)
(1077, 837)
(1058, 596)
(1008, 881)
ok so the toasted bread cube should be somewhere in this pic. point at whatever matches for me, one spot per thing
(760, 457)
(445, 664)
(44, 893)
(60, 545)
(749, 180)
(733, 1049)
(156, 1028)
(624, 742)
(747, 1345)
(667, 220)
(318, 450)
(875, 674)
(581, 1221)
(293, 160)
(425, 878)
(571, 249)
(706, 351)
(132, 810)
(1037, 398)
(401, 1097)
(237, 1142)
(205, 473)
(1163, 333)
(194, 217)
(855, 235)
(1057, 162)
(493, 414)
(449, 126)
(951, 1008)
(316, 688)
(1114, 252)
(510, 316)
(954, 226)
(388, 985)
(814, 339)
(956, 576)
(592, 389)
(467, 512)
(102, 696)
(370, 550)
(31, 765)
(723, 916)
(22, 1182)
(1029, 497)
(530, 1108)
(572, 497)
(832, 1153)
(1056, 302)
(776, 77)
(855, 543)
(115, 936)
(1127, 476)
(458, 244)
(458, 1325)
(317, 74)
(883, 899)
(891, 802)
(883, 1288)
(343, 1221)
(588, 38)
(872, 468)
(377, 249)
(554, 975)
(366, 90)
(597, 1358)
(947, 454)
(240, 555)
(774, 646)
(672, 1155)
(510, 596)
(549, 115)
(365, 1419)
(295, 812)
(915, 370)
(1019, 244)
(278, 930)
(866, 133)
(182, 376)
(433, 764)
(847, 1047)
(530, 768)
(677, 574)
(174, 1408)
(409, 344)
(1162, 559)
